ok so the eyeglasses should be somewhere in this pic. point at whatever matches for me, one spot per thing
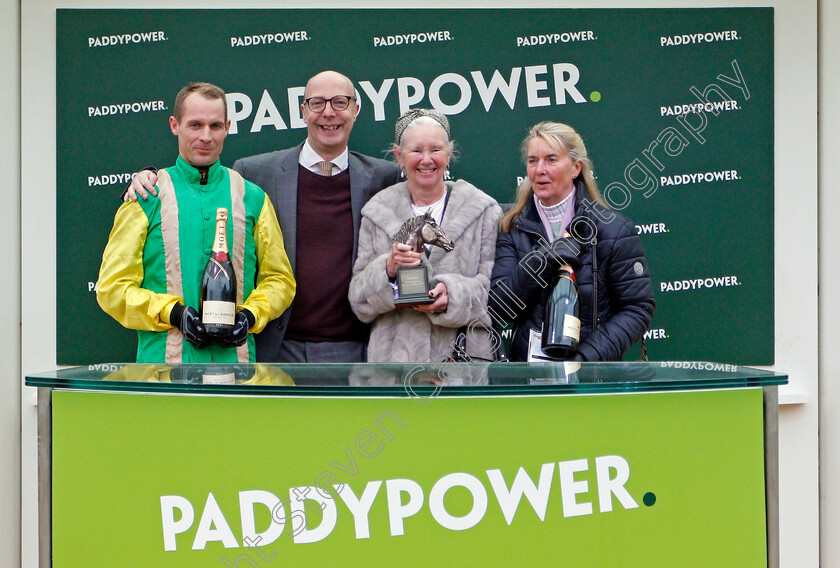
(338, 103)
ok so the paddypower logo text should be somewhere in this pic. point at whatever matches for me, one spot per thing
(124, 39)
(126, 108)
(404, 498)
(268, 39)
(654, 334)
(707, 37)
(699, 366)
(651, 229)
(552, 38)
(699, 177)
(534, 85)
(408, 39)
(673, 139)
(708, 106)
(110, 179)
(699, 283)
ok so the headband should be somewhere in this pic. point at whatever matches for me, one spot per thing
(410, 116)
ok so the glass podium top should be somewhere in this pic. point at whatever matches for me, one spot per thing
(414, 380)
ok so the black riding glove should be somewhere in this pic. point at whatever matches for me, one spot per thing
(189, 322)
(244, 321)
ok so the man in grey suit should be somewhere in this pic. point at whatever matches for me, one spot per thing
(318, 189)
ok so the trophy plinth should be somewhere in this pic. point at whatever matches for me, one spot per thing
(412, 287)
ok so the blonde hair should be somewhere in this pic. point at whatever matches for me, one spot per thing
(562, 138)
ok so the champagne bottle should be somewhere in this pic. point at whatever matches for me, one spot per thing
(561, 321)
(218, 287)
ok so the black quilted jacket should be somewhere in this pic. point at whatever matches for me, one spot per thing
(622, 287)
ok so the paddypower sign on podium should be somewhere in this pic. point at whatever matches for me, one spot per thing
(630, 480)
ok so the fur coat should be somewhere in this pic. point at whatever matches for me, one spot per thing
(471, 221)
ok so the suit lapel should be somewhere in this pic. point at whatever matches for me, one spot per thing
(286, 184)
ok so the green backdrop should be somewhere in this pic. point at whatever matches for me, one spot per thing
(142, 480)
(698, 185)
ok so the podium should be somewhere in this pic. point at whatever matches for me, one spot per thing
(453, 464)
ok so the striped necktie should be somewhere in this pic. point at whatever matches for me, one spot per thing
(326, 168)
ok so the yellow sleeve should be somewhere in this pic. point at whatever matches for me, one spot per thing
(275, 283)
(118, 289)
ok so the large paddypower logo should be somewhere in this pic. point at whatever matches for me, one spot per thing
(404, 498)
(543, 85)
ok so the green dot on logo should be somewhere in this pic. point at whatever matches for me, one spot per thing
(594, 96)
(649, 499)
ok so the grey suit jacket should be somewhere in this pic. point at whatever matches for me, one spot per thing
(277, 174)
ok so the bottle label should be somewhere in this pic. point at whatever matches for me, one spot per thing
(225, 379)
(221, 231)
(535, 352)
(218, 313)
(571, 327)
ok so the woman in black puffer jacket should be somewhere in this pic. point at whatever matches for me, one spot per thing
(560, 218)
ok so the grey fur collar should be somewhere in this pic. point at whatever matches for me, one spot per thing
(391, 207)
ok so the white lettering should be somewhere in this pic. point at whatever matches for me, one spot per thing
(438, 509)
(566, 76)
(458, 81)
(213, 517)
(298, 496)
(247, 500)
(411, 91)
(609, 486)
(570, 489)
(243, 112)
(533, 86)
(377, 97)
(122, 39)
(171, 527)
(267, 115)
(361, 507)
(396, 510)
(522, 485)
(497, 85)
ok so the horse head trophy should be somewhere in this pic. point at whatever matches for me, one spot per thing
(413, 282)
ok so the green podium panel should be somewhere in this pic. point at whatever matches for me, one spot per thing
(475, 465)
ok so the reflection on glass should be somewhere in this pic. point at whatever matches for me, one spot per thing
(417, 380)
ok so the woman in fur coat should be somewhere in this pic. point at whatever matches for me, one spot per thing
(459, 279)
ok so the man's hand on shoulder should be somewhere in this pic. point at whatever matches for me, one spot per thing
(142, 184)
